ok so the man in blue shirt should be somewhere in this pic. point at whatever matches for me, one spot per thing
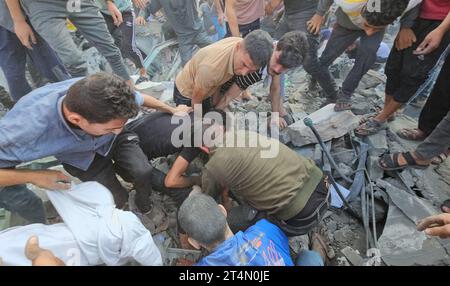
(263, 244)
(80, 122)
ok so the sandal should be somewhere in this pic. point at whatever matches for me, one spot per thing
(390, 163)
(343, 105)
(370, 128)
(317, 243)
(445, 207)
(414, 134)
(440, 158)
(367, 117)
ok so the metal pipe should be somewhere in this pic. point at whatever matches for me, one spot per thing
(308, 122)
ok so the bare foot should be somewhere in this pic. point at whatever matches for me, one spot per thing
(40, 256)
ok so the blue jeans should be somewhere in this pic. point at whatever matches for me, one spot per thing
(13, 57)
(309, 258)
(21, 200)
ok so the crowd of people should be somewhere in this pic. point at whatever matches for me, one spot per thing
(248, 205)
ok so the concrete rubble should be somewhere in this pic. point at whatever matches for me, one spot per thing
(329, 124)
(400, 199)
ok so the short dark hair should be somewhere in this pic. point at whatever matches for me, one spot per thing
(294, 48)
(389, 11)
(259, 45)
(102, 97)
(200, 217)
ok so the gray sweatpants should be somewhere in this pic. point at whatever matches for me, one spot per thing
(438, 142)
(340, 39)
(48, 18)
(297, 22)
(187, 45)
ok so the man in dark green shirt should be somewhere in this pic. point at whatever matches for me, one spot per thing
(286, 188)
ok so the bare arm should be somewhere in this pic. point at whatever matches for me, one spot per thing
(434, 38)
(175, 178)
(219, 11)
(198, 95)
(270, 7)
(231, 18)
(47, 179)
(21, 27)
(151, 102)
(275, 100)
(233, 92)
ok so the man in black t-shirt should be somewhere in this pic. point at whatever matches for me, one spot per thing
(155, 132)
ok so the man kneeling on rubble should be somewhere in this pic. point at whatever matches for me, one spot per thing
(279, 185)
(289, 52)
(263, 244)
(201, 78)
(80, 122)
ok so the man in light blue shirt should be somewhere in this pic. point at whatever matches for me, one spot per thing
(80, 122)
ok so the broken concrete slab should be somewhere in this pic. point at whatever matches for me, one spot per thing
(353, 256)
(414, 207)
(343, 234)
(402, 245)
(378, 143)
(329, 125)
(374, 168)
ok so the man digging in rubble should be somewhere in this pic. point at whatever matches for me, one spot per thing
(201, 78)
(80, 122)
(155, 132)
(288, 189)
(289, 52)
(263, 244)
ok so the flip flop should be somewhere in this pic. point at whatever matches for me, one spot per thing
(390, 163)
(411, 134)
(371, 127)
(440, 158)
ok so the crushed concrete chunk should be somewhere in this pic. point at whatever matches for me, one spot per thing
(329, 125)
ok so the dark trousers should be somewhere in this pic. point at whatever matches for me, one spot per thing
(438, 104)
(181, 100)
(13, 57)
(340, 39)
(242, 217)
(405, 71)
(21, 200)
(244, 30)
(125, 38)
(127, 159)
(297, 22)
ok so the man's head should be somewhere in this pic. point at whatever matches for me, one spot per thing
(380, 13)
(210, 131)
(100, 104)
(253, 52)
(203, 220)
(290, 52)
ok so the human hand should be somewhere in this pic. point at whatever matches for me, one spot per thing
(115, 13)
(438, 225)
(405, 39)
(315, 24)
(25, 34)
(50, 180)
(430, 43)
(140, 21)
